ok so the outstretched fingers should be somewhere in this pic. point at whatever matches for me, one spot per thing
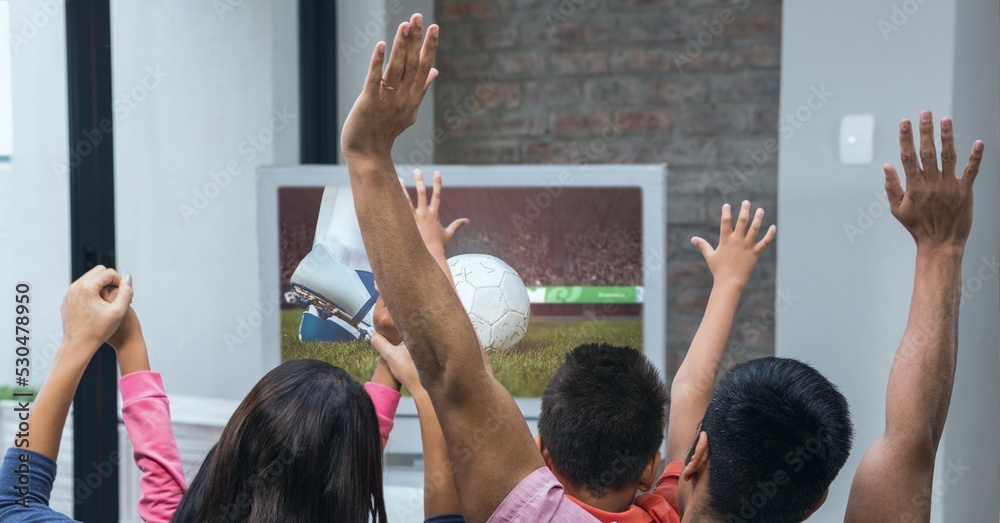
(948, 156)
(703, 246)
(726, 224)
(436, 194)
(414, 40)
(397, 59)
(375, 68)
(766, 240)
(928, 153)
(975, 158)
(893, 190)
(758, 219)
(418, 182)
(907, 152)
(426, 73)
(741, 222)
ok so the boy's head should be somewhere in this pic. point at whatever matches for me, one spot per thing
(603, 418)
(775, 435)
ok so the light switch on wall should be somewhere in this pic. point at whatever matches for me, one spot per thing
(857, 139)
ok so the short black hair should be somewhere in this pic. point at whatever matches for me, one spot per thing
(603, 417)
(778, 434)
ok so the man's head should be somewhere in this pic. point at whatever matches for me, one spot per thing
(775, 435)
(602, 420)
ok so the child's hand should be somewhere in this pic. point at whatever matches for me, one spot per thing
(399, 361)
(88, 318)
(128, 333)
(426, 213)
(734, 259)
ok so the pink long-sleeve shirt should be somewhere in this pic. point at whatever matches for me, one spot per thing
(146, 412)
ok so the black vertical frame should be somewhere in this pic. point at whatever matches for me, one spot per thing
(318, 81)
(92, 230)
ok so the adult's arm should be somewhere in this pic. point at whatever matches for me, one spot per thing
(894, 480)
(490, 445)
(88, 322)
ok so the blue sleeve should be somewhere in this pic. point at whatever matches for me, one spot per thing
(25, 485)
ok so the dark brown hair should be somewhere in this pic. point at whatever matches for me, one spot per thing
(303, 446)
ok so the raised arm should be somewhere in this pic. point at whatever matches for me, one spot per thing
(146, 413)
(477, 414)
(440, 495)
(894, 480)
(731, 263)
(29, 467)
(88, 322)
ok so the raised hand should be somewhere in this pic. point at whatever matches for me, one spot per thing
(389, 101)
(936, 207)
(399, 361)
(426, 213)
(88, 319)
(738, 251)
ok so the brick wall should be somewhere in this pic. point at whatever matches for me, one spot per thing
(690, 83)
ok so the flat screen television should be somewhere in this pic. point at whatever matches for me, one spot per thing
(588, 242)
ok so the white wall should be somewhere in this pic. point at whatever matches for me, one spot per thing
(842, 255)
(185, 157)
(34, 186)
(360, 25)
(973, 431)
(34, 200)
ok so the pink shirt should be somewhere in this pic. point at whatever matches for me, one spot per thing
(146, 412)
(540, 498)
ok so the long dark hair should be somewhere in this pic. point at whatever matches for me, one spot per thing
(303, 446)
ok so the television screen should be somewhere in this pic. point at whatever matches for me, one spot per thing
(577, 251)
(553, 256)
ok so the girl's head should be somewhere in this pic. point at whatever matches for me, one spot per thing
(303, 446)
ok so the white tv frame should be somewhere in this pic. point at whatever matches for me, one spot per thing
(651, 179)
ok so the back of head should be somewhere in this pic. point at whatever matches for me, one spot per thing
(778, 434)
(304, 445)
(603, 417)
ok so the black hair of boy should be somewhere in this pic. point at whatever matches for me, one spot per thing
(603, 417)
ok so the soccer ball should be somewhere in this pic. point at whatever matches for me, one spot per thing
(495, 298)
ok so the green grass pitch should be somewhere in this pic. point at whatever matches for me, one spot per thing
(525, 370)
